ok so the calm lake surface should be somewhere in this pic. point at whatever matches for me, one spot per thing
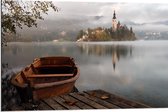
(137, 70)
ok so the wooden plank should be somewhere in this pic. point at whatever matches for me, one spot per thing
(62, 102)
(123, 102)
(53, 104)
(87, 101)
(48, 75)
(95, 99)
(126, 101)
(44, 66)
(43, 106)
(102, 102)
(78, 103)
(111, 99)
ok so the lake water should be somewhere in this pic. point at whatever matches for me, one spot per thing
(137, 70)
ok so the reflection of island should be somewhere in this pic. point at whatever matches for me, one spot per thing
(117, 32)
(100, 50)
(114, 51)
(115, 58)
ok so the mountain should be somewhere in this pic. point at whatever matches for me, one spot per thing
(140, 24)
(68, 28)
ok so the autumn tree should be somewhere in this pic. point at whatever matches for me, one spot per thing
(80, 34)
(17, 13)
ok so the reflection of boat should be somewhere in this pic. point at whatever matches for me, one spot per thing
(46, 77)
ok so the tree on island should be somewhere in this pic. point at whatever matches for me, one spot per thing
(18, 13)
(122, 33)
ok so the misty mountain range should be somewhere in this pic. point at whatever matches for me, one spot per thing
(158, 22)
(67, 29)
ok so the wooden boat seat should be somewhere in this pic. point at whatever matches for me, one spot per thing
(49, 75)
(44, 66)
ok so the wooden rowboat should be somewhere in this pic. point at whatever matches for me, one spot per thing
(46, 77)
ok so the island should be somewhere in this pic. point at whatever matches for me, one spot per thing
(117, 32)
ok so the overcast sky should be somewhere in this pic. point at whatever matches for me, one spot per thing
(100, 14)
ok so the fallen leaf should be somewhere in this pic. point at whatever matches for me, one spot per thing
(70, 103)
(104, 97)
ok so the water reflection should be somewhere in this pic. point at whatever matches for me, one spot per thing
(100, 50)
(116, 51)
(131, 70)
(115, 57)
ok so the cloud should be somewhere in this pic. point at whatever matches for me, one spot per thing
(88, 14)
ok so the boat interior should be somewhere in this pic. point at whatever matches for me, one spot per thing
(47, 71)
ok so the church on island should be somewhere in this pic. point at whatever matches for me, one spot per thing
(114, 22)
(117, 32)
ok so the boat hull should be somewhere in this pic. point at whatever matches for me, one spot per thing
(57, 90)
(28, 93)
(32, 86)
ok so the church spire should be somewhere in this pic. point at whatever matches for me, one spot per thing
(114, 22)
(114, 15)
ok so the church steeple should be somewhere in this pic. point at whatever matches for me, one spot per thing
(114, 22)
(114, 15)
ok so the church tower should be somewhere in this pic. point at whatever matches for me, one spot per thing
(114, 22)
